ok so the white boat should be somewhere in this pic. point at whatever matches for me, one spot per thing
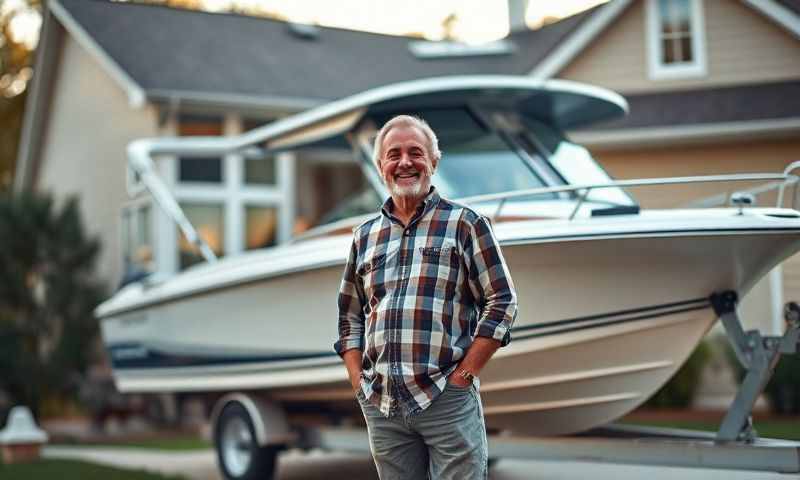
(612, 299)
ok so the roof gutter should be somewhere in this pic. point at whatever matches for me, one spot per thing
(234, 100)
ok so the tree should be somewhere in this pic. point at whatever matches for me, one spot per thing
(15, 73)
(47, 296)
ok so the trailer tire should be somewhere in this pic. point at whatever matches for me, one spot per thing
(238, 454)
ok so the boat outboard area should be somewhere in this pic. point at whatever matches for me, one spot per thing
(601, 281)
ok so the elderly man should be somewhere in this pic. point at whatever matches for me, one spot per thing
(425, 301)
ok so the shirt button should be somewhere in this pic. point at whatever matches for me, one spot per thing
(405, 233)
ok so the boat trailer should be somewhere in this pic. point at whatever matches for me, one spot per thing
(735, 446)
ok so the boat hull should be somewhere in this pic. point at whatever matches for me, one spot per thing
(603, 323)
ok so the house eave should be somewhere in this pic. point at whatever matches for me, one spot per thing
(778, 14)
(36, 104)
(578, 40)
(135, 93)
(663, 136)
(235, 101)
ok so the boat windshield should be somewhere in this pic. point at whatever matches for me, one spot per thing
(573, 162)
(476, 160)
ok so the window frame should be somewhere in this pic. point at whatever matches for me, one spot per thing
(657, 70)
(130, 229)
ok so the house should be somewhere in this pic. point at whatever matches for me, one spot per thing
(714, 86)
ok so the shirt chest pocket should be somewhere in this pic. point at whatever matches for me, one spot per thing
(374, 273)
(437, 261)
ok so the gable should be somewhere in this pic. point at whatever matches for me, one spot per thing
(742, 47)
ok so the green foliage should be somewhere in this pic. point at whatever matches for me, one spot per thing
(783, 390)
(74, 470)
(679, 391)
(47, 295)
(16, 60)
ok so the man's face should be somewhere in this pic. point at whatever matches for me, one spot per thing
(406, 164)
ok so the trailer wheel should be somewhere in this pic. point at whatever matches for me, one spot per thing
(238, 454)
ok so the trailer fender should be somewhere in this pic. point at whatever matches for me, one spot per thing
(269, 420)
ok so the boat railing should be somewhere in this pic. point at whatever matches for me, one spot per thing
(725, 198)
(781, 180)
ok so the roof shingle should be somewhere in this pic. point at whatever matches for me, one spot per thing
(164, 48)
(710, 105)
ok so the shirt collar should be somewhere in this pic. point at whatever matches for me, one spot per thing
(427, 204)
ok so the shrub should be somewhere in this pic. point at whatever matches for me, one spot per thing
(47, 296)
(680, 390)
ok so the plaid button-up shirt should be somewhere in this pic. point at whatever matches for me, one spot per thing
(413, 298)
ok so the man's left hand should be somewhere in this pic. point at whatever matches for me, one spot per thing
(456, 379)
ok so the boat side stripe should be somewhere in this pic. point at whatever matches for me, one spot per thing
(134, 355)
(698, 302)
(612, 322)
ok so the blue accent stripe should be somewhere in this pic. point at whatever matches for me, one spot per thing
(136, 355)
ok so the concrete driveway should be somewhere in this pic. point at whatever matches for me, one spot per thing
(318, 465)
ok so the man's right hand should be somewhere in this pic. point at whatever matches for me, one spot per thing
(352, 360)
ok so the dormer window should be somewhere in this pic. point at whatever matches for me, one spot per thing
(675, 39)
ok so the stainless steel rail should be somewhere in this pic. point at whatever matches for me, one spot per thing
(584, 189)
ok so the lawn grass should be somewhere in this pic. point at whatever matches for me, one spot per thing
(172, 441)
(177, 444)
(788, 429)
(74, 470)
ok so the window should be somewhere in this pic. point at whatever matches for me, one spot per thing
(208, 220)
(676, 39)
(259, 171)
(205, 170)
(261, 227)
(137, 242)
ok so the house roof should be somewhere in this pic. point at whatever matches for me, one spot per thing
(176, 53)
(710, 105)
(686, 116)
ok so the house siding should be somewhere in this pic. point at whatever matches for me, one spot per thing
(739, 157)
(89, 126)
(742, 46)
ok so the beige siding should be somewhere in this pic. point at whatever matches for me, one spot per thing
(742, 46)
(746, 157)
(90, 124)
(791, 279)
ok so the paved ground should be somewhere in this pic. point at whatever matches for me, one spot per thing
(318, 465)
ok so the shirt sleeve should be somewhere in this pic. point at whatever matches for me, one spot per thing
(490, 283)
(351, 308)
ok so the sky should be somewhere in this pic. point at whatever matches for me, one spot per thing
(478, 20)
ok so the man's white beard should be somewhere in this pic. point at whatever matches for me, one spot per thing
(418, 189)
(411, 191)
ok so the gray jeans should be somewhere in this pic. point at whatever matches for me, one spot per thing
(446, 440)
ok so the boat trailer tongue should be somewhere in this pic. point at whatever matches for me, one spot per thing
(758, 355)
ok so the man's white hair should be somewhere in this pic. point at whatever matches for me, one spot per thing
(407, 121)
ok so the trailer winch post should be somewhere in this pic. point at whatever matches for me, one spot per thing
(758, 355)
